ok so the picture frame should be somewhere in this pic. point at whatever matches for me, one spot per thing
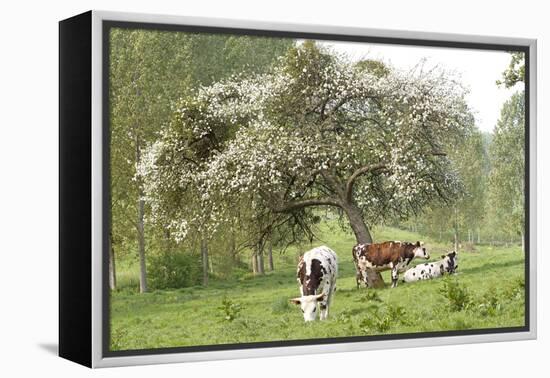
(84, 194)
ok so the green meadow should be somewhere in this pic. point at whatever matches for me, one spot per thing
(487, 292)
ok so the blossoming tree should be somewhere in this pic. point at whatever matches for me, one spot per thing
(316, 131)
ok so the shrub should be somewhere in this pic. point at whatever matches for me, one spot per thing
(170, 270)
(489, 304)
(376, 321)
(381, 320)
(230, 309)
(458, 297)
(397, 313)
(516, 290)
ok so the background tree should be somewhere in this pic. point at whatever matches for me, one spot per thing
(467, 211)
(462, 218)
(316, 131)
(515, 73)
(507, 177)
(149, 72)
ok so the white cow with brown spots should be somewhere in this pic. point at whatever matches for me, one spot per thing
(316, 275)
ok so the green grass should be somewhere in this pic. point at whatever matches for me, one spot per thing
(254, 309)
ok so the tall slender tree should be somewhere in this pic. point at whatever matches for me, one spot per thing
(507, 177)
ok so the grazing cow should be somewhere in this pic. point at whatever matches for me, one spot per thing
(316, 274)
(394, 255)
(427, 271)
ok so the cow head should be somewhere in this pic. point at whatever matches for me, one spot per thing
(450, 262)
(420, 251)
(308, 304)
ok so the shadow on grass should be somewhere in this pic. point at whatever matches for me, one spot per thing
(352, 312)
(490, 266)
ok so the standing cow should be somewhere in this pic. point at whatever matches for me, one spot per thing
(427, 271)
(394, 255)
(316, 274)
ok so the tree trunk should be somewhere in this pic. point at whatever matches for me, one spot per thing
(141, 247)
(140, 225)
(362, 235)
(270, 255)
(455, 241)
(233, 248)
(261, 269)
(254, 263)
(112, 268)
(478, 236)
(204, 260)
(166, 239)
(210, 265)
(357, 224)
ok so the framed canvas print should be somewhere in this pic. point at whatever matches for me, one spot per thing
(233, 189)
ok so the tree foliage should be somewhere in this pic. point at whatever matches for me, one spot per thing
(317, 130)
(466, 212)
(149, 71)
(507, 176)
(515, 72)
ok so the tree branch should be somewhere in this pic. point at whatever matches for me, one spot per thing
(359, 172)
(294, 205)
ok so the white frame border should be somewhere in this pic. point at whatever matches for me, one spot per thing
(97, 170)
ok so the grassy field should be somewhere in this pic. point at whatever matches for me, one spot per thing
(487, 292)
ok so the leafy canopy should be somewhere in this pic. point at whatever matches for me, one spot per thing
(317, 129)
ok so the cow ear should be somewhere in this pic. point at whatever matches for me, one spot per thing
(295, 301)
(418, 244)
(443, 256)
(321, 297)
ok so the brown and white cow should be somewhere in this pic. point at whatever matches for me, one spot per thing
(394, 255)
(316, 275)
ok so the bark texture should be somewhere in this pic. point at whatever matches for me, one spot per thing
(204, 260)
(141, 247)
(270, 256)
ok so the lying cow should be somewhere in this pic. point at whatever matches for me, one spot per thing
(316, 274)
(394, 255)
(447, 265)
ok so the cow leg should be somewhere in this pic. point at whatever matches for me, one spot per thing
(323, 306)
(359, 278)
(357, 273)
(364, 277)
(325, 303)
(394, 276)
(330, 296)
